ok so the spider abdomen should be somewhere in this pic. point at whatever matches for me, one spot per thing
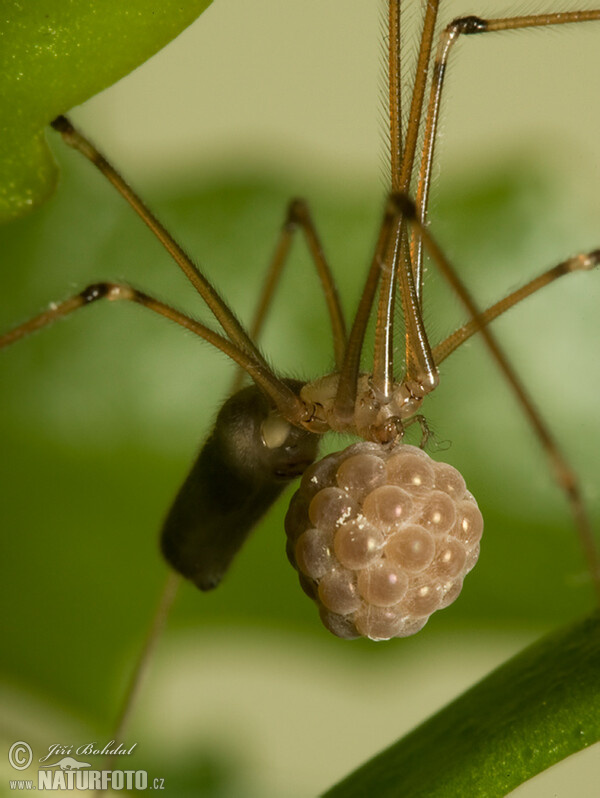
(247, 461)
(382, 538)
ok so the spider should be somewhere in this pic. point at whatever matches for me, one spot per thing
(397, 207)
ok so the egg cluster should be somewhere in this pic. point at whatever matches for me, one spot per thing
(382, 538)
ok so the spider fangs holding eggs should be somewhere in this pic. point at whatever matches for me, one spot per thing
(381, 534)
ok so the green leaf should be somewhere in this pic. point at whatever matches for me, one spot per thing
(55, 54)
(537, 709)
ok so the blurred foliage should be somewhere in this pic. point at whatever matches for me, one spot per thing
(56, 54)
(101, 415)
(538, 708)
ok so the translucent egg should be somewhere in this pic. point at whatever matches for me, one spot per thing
(469, 523)
(360, 474)
(314, 552)
(338, 592)
(357, 544)
(330, 508)
(451, 591)
(450, 481)
(387, 506)
(449, 560)
(472, 557)
(438, 513)
(339, 625)
(423, 599)
(410, 626)
(377, 623)
(410, 470)
(412, 548)
(382, 584)
(382, 537)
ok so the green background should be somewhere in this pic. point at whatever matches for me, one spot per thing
(102, 414)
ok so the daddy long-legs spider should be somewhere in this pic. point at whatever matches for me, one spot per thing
(90, 495)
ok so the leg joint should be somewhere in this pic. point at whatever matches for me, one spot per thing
(106, 290)
(467, 25)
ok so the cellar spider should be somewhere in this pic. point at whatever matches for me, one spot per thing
(398, 206)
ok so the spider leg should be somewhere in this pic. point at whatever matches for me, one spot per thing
(564, 474)
(299, 218)
(582, 262)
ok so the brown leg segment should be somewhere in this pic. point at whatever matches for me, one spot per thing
(298, 217)
(584, 262)
(288, 404)
(466, 26)
(396, 272)
(346, 393)
(136, 679)
(563, 472)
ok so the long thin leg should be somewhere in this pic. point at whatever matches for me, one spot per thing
(395, 86)
(401, 181)
(298, 217)
(466, 26)
(346, 392)
(583, 262)
(217, 305)
(288, 404)
(565, 475)
(421, 374)
(391, 262)
(383, 361)
(155, 630)
(114, 292)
